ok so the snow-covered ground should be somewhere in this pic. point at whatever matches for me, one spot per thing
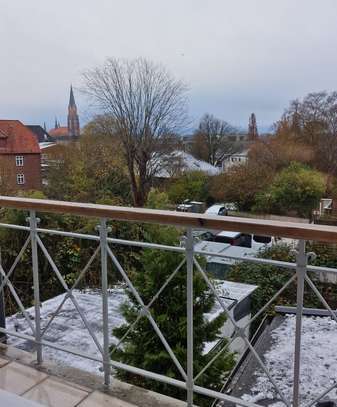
(68, 330)
(318, 360)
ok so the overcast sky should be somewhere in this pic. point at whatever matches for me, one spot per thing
(237, 56)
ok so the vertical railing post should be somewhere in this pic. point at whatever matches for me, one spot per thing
(103, 232)
(301, 269)
(3, 337)
(189, 294)
(33, 221)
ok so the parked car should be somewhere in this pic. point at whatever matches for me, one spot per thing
(191, 206)
(243, 239)
(217, 209)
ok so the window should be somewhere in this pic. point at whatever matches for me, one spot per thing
(19, 160)
(20, 179)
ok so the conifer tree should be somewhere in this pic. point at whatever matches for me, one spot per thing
(252, 128)
(143, 348)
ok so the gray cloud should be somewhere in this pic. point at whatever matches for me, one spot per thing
(237, 56)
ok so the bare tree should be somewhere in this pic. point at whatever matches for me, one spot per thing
(211, 142)
(313, 121)
(147, 106)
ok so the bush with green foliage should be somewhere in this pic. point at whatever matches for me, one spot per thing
(270, 279)
(192, 185)
(296, 188)
(143, 348)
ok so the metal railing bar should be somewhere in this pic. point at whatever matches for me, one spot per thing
(16, 261)
(17, 299)
(240, 360)
(324, 393)
(70, 295)
(149, 305)
(15, 227)
(301, 271)
(147, 313)
(189, 314)
(66, 296)
(33, 221)
(240, 331)
(273, 298)
(215, 357)
(266, 371)
(52, 263)
(103, 233)
(97, 238)
(193, 220)
(141, 372)
(250, 259)
(51, 345)
(211, 287)
(321, 298)
(258, 260)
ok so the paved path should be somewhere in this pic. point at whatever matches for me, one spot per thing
(24, 386)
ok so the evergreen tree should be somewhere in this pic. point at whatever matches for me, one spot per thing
(143, 348)
(252, 128)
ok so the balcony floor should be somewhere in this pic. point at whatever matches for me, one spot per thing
(38, 387)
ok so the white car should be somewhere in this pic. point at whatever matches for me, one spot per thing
(217, 209)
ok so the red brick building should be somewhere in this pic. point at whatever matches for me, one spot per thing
(20, 157)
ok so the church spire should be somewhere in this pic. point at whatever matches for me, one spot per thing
(73, 120)
(71, 98)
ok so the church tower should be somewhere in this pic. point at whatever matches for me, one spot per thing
(73, 120)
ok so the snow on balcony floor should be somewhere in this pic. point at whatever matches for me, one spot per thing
(318, 361)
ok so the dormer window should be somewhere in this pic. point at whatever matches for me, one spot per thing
(19, 160)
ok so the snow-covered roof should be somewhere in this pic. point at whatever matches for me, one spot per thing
(233, 290)
(224, 249)
(46, 144)
(228, 233)
(231, 293)
(68, 329)
(318, 361)
(187, 163)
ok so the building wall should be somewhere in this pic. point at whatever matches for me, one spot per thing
(31, 169)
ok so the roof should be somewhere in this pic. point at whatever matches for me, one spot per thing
(234, 291)
(39, 132)
(224, 249)
(186, 162)
(229, 234)
(19, 138)
(276, 347)
(59, 132)
(47, 144)
(68, 329)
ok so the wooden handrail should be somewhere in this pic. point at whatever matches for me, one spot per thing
(199, 221)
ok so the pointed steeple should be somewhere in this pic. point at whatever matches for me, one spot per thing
(56, 124)
(73, 119)
(44, 126)
(71, 98)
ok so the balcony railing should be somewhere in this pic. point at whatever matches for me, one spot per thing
(302, 232)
